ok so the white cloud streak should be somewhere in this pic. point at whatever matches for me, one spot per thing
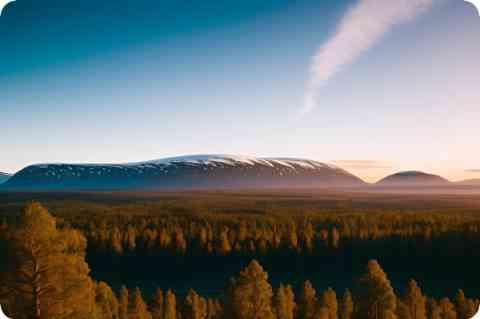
(3, 3)
(362, 26)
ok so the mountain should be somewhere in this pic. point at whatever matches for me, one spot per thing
(469, 182)
(413, 178)
(200, 171)
(4, 177)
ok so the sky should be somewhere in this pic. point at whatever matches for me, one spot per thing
(373, 89)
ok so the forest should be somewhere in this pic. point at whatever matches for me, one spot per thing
(51, 247)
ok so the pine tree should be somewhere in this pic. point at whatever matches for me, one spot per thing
(123, 303)
(156, 306)
(403, 311)
(214, 309)
(471, 309)
(376, 298)
(447, 309)
(106, 302)
(116, 241)
(138, 309)
(284, 302)
(329, 301)
(415, 301)
(461, 305)
(224, 246)
(322, 313)
(308, 301)
(291, 306)
(433, 309)
(170, 306)
(195, 306)
(48, 276)
(250, 295)
(345, 309)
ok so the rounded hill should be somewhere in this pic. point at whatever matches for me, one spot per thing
(413, 178)
(198, 171)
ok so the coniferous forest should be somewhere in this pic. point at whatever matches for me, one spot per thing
(105, 258)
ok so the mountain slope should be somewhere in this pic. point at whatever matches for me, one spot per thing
(200, 171)
(4, 177)
(413, 178)
(469, 182)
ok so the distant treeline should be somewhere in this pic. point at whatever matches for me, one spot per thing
(192, 229)
(47, 277)
(226, 234)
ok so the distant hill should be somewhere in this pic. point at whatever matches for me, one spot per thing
(4, 177)
(199, 171)
(469, 182)
(413, 178)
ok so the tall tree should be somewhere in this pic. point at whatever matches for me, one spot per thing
(461, 305)
(329, 301)
(447, 309)
(284, 302)
(433, 309)
(250, 295)
(195, 306)
(138, 309)
(123, 303)
(345, 309)
(403, 311)
(376, 298)
(415, 301)
(170, 306)
(48, 276)
(308, 301)
(106, 302)
(214, 309)
(466, 308)
(156, 305)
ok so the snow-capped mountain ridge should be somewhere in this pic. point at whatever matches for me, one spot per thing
(197, 171)
(4, 177)
(211, 159)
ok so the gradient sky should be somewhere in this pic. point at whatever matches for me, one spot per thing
(133, 80)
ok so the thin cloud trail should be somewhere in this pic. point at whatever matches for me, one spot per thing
(3, 4)
(361, 28)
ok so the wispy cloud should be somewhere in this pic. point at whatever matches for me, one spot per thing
(362, 164)
(473, 170)
(362, 27)
(3, 3)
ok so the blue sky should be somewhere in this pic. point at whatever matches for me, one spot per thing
(124, 80)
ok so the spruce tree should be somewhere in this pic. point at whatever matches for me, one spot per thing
(415, 301)
(307, 301)
(329, 301)
(138, 309)
(123, 303)
(284, 302)
(447, 309)
(403, 311)
(156, 306)
(195, 306)
(345, 309)
(48, 276)
(106, 302)
(376, 298)
(461, 304)
(170, 306)
(433, 309)
(250, 295)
